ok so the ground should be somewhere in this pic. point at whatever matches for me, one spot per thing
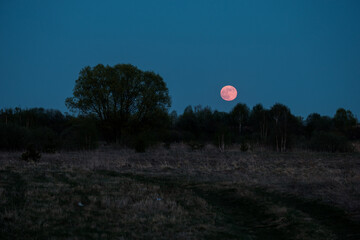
(180, 194)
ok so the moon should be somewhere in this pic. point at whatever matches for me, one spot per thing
(228, 93)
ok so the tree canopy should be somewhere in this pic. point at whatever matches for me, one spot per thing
(118, 95)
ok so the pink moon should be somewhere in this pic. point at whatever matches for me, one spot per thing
(228, 93)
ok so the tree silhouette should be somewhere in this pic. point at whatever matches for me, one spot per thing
(280, 115)
(315, 122)
(344, 120)
(259, 119)
(118, 95)
(240, 115)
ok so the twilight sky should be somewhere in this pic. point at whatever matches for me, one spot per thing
(304, 54)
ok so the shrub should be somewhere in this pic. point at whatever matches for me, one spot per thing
(141, 140)
(170, 137)
(167, 145)
(140, 145)
(196, 145)
(244, 146)
(330, 142)
(31, 153)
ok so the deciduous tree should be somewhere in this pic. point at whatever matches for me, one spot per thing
(118, 95)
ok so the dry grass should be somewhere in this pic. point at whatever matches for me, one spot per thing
(85, 204)
(177, 194)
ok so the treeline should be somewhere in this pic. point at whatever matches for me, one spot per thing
(124, 105)
(47, 130)
(274, 129)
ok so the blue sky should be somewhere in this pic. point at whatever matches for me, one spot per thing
(304, 54)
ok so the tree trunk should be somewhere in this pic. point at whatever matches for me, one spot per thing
(221, 143)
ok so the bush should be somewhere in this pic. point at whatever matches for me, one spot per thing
(244, 146)
(140, 145)
(141, 140)
(330, 142)
(31, 153)
(196, 145)
(170, 137)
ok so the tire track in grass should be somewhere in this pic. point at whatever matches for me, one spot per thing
(247, 217)
(334, 218)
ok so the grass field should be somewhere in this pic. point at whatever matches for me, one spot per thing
(180, 194)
